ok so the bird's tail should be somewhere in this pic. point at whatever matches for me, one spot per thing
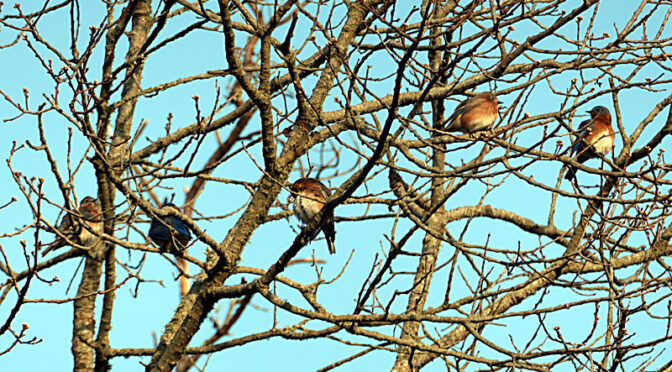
(54, 245)
(330, 234)
(331, 245)
(571, 173)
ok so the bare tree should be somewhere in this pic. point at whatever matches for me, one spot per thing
(476, 252)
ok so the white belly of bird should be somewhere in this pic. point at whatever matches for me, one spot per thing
(305, 208)
(87, 238)
(603, 145)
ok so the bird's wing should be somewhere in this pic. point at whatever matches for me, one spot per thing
(65, 228)
(455, 114)
(462, 107)
(583, 132)
(66, 223)
(325, 191)
(178, 226)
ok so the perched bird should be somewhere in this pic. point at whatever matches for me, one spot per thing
(474, 114)
(595, 138)
(169, 233)
(89, 212)
(309, 200)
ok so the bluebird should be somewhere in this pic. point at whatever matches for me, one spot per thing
(595, 138)
(309, 200)
(89, 212)
(169, 233)
(474, 114)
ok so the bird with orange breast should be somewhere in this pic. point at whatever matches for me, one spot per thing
(476, 113)
(309, 199)
(595, 138)
(71, 227)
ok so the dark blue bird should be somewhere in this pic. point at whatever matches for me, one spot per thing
(169, 233)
